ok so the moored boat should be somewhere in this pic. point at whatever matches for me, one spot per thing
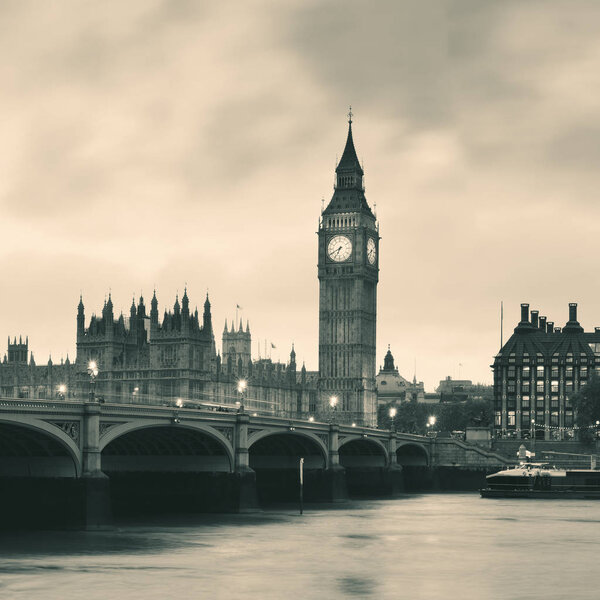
(539, 480)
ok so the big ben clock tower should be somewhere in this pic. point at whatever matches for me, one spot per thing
(348, 274)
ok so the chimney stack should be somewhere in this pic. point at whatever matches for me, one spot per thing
(573, 325)
(534, 318)
(550, 327)
(524, 313)
(543, 324)
(573, 311)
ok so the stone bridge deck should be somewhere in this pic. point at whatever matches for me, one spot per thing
(234, 454)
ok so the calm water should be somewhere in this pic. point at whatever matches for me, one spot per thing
(431, 547)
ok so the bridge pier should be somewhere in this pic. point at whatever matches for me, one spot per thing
(245, 496)
(95, 490)
(336, 489)
(394, 475)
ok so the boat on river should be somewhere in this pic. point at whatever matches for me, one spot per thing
(540, 480)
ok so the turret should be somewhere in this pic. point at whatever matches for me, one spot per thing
(108, 316)
(349, 173)
(132, 316)
(80, 318)
(154, 310)
(207, 318)
(388, 361)
(185, 304)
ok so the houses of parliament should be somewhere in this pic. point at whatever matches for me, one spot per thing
(147, 358)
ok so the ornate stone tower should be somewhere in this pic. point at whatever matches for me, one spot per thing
(348, 265)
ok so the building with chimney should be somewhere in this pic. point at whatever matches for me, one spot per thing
(537, 371)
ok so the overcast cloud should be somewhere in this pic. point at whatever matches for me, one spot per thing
(170, 143)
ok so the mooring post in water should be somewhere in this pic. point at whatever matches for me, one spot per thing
(301, 485)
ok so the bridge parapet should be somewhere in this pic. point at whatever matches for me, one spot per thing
(449, 452)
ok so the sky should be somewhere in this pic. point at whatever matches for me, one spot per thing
(157, 144)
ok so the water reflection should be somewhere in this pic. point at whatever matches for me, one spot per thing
(418, 547)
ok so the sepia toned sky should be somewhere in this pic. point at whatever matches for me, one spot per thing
(162, 143)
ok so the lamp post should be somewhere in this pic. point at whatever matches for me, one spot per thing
(333, 402)
(134, 394)
(532, 434)
(431, 421)
(93, 373)
(62, 390)
(241, 388)
(393, 412)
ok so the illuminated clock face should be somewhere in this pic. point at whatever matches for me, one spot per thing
(339, 248)
(371, 251)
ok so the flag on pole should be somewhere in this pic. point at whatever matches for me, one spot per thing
(273, 345)
(238, 307)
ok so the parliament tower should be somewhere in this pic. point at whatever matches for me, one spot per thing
(348, 266)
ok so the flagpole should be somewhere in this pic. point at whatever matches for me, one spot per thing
(501, 323)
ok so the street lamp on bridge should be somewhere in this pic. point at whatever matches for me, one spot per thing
(241, 388)
(92, 371)
(62, 390)
(333, 402)
(393, 412)
(430, 424)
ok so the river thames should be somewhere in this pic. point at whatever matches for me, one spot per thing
(419, 546)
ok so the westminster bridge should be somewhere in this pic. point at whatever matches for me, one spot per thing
(80, 461)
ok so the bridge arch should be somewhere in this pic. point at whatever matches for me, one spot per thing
(359, 445)
(119, 431)
(274, 456)
(412, 454)
(298, 434)
(54, 433)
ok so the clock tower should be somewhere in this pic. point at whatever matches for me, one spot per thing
(348, 266)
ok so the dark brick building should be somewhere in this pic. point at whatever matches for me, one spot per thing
(537, 371)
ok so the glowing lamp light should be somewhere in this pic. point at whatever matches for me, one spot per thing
(431, 421)
(62, 389)
(393, 412)
(353, 424)
(179, 402)
(92, 368)
(333, 400)
(242, 384)
(311, 419)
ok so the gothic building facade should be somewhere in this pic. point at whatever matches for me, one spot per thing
(348, 268)
(143, 358)
(21, 377)
(150, 360)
